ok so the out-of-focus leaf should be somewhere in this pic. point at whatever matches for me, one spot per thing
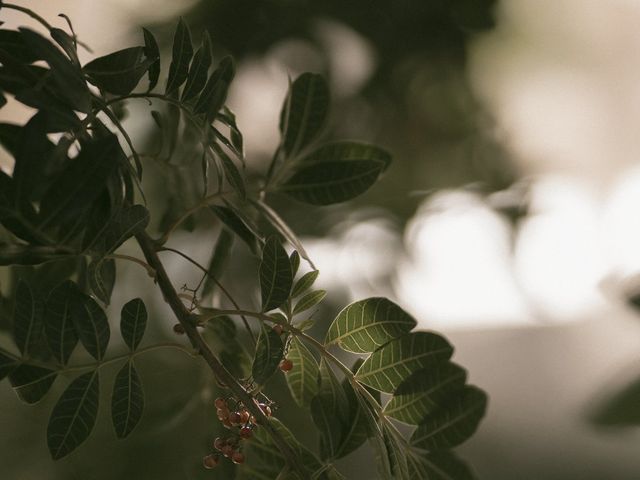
(119, 72)
(275, 275)
(31, 383)
(232, 221)
(28, 255)
(7, 365)
(65, 41)
(182, 53)
(269, 352)
(389, 366)
(127, 400)
(13, 41)
(442, 465)
(74, 416)
(366, 325)
(219, 258)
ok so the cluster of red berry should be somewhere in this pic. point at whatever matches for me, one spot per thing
(231, 446)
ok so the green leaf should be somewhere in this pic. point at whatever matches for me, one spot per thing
(219, 258)
(119, 72)
(304, 113)
(67, 43)
(127, 400)
(18, 219)
(348, 151)
(304, 283)
(233, 221)
(17, 254)
(390, 365)
(74, 416)
(424, 392)
(78, 186)
(27, 320)
(454, 423)
(303, 378)
(66, 76)
(332, 182)
(269, 353)
(92, 326)
(294, 259)
(101, 275)
(221, 334)
(7, 365)
(13, 41)
(152, 52)
(133, 321)
(199, 70)
(438, 466)
(229, 119)
(59, 328)
(368, 324)
(355, 428)
(128, 222)
(31, 383)
(310, 300)
(329, 411)
(395, 453)
(182, 53)
(275, 275)
(32, 156)
(214, 93)
(231, 172)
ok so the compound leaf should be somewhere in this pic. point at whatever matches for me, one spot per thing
(119, 72)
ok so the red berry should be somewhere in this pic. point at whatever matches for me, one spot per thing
(210, 461)
(238, 457)
(179, 329)
(246, 433)
(227, 450)
(220, 403)
(235, 418)
(286, 365)
(252, 420)
(218, 443)
(227, 423)
(266, 409)
(222, 414)
(278, 329)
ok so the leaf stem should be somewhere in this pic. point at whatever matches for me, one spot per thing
(147, 267)
(188, 321)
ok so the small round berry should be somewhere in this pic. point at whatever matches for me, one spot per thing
(235, 418)
(210, 461)
(227, 451)
(227, 423)
(179, 329)
(246, 433)
(266, 409)
(286, 365)
(220, 403)
(222, 414)
(237, 457)
(245, 416)
(278, 329)
(218, 443)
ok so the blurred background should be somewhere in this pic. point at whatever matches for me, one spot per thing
(507, 220)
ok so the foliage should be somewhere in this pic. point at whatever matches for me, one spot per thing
(57, 207)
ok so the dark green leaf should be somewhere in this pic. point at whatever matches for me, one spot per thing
(355, 427)
(7, 365)
(229, 119)
(199, 70)
(424, 392)
(59, 328)
(32, 155)
(127, 400)
(332, 182)
(348, 151)
(396, 454)
(10, 136)
(294, 258)
(221, 334)
(31, 383)
(127, 223)
(66, 76)
(78, 186)
(275, 275)
(101, 275)
(368, 324)
(152, 52)
(182, 53)
(304, 112)
(27, 255)
(437, 466)
(74, 416)
(303, 378)
(119, 72)
(92, 326)
(13, 41)
(304, 283)
(27, 320)
(219, 258)
(308, 301)
(214, 93)
(133, 321)
(454, 423)
(281, 226)
(232, 221)
(67, 43)
(390, 365)
(231, 172)
(269, 352)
